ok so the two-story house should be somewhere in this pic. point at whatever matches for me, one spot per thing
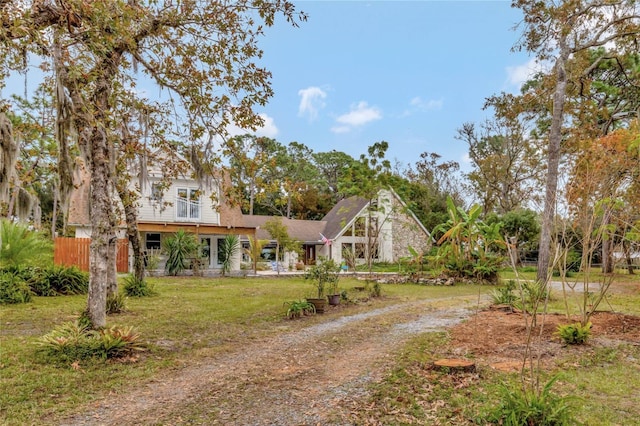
(166, 206)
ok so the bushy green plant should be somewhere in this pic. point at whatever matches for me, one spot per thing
(574, 334)
(178, 248)
(116, 303)
(21, 246)
(63, 280)
(52, 280)
(13, 289)
(324, 274)
(376, 290)
(72, 341)
(134, 287)
(118, 341)
(298, 308)
(228, 250)
(467, 245)
(505, 295)
(525, 408)
(534, 294)
(487, 269)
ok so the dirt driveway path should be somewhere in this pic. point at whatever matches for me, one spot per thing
(297, 378)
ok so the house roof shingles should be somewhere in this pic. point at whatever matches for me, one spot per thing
(342, 214)
(307, 231)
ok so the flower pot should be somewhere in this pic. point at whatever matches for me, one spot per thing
(334, 299)
(319, 304)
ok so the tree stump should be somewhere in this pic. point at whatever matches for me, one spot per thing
(455, 365)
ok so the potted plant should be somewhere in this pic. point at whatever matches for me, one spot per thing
(333, 294)
(324, 275)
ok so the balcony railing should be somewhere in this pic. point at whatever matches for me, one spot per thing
(187, 210)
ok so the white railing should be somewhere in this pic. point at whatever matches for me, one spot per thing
(187, 210)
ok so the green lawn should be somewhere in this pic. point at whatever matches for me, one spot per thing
(192, 318)
(189, 319)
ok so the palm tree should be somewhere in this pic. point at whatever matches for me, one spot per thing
(21, 246)
(255, 251)
(228, 250)
(178, 248)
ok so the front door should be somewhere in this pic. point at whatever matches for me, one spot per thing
(310, 255)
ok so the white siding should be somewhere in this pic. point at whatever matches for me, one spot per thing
(166, 209)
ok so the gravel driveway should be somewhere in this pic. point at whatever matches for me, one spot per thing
(296, 378)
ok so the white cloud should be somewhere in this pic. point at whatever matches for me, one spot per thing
(341, 129)
(268, 129)
(311, 101)
(426, 105)
(519, 74)
(360, 114)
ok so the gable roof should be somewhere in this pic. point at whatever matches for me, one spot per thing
(342, 214)
(307, 231)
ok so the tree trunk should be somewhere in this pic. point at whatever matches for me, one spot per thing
(9, 157)
(553, 163)
(607, 244)
(277, 261)
(100, 201)
(54, 214)
(112, 270)
(100, 231)
(131, 216)
(626, 246)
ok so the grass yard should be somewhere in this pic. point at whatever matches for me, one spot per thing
(190, 318)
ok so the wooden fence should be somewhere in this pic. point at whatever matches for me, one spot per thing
(75, 252)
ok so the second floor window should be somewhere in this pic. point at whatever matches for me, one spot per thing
(156, 193)
(188, 203)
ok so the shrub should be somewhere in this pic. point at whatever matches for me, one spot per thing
(51, 280)
(487, 269)
(298, 308)
(118, 341)
(134, 287)
(61, 280)
(72, 341)
(574, 334)
(534, 293)
(116, 303)
(505, 295)
(523, 408)
(376, 290)
(13, 289)
(178, 248)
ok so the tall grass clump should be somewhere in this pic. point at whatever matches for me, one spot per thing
(524, 408)
(134, 287)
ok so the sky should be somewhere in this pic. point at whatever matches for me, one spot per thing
(406, 72)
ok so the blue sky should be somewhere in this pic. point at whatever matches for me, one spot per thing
(408, 72)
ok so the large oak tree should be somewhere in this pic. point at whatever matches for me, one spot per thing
(202, 52)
